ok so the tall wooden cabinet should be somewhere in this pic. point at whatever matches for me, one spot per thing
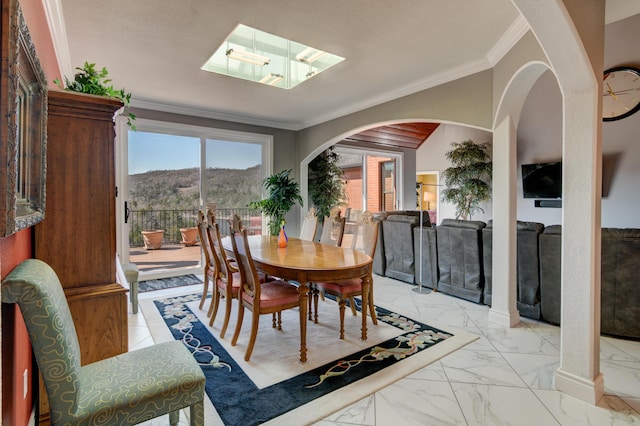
(78, 235)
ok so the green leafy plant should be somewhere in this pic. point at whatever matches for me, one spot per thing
(326, 183)
(284, 192)
(89, 80)
(467, 180)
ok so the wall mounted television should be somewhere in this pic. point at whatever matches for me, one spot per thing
(542, 180)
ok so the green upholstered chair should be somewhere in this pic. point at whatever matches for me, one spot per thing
(123, 390)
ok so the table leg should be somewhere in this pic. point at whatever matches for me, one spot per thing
(303, 290)
(366, 285)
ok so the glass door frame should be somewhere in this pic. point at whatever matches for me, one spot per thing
(398, 157)
(204, 133)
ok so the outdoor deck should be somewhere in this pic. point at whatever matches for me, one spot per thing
(170, 256)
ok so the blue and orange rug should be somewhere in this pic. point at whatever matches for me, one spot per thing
(274, 386)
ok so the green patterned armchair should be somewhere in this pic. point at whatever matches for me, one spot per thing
(123, 390)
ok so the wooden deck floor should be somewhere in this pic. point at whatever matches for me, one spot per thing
(169, 256)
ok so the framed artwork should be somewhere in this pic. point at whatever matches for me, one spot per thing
(23, 127)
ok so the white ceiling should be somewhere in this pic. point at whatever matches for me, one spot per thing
(155, 48)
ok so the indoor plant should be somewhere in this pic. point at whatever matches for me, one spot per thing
(467, 180)
(284, 192)
(326, 184)
(91, 81)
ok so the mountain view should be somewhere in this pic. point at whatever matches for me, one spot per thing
(179, 189)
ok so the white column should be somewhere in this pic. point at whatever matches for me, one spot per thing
(503, 308)
(579, 373)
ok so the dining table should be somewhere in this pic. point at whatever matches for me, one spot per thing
(307, 262)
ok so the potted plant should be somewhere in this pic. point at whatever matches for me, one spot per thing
(284, 193)
(467, 180)
(152, 233)
(91, 81)
(189, 236)
(153, 239)
(326, 183)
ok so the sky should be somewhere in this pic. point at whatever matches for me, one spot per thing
(155, 151)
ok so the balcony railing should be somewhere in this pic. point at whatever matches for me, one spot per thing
(170, 221)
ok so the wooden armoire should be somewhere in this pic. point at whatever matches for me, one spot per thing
(78, 235)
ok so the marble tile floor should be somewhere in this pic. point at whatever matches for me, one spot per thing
(503, 378)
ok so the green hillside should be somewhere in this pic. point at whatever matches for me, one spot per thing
(179, 189)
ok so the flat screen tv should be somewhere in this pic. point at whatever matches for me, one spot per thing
(542, 180)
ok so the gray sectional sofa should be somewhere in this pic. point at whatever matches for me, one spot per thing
(457, 257)
(620, 292)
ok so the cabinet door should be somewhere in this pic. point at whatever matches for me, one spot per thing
(77, 236)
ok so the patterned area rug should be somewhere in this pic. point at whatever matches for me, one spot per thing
(274, 387)
(160, 284)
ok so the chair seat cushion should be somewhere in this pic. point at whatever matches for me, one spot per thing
(353, 285)
(137, 386)
(275, 293)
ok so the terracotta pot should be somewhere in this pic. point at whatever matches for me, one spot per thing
(153, 239)
(189, 236)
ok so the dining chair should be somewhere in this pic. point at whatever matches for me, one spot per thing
(227, 284)
(333, 228)
(309, 226)
(126, 389)
(210, 271)
(365, 239)
(270, 297)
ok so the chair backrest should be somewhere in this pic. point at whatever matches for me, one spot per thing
(235, 224)
(35, 287)
(248, 272)
(333, 228)
(204, 241)
(309, 226)
(211, 216)
(365, 237)
(226, 270)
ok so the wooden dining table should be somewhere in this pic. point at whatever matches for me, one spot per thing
(306, 262)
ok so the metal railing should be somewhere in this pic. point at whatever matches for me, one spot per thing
(170, 221)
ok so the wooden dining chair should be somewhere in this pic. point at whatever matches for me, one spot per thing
(270, 297)
(227, 284)
(309, 226)
(210, 269)
(333, 228)
(365, 240)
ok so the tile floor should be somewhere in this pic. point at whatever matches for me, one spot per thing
(503, 378)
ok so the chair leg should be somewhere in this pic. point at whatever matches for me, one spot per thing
(134, 296)
(312, 291)
(227, 315)
(342, 303)
(315, 305)
(213, 308)
(174, 417)
(196, 414)
(205, 290)
(236, 333)
(372, 310)
(352, 304)
(255, 321)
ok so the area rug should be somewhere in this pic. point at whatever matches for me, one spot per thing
(274, 387)
(162, 283)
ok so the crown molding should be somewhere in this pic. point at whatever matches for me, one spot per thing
(57, 29)
(514, 33)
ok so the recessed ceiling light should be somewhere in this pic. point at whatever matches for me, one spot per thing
(255, 55)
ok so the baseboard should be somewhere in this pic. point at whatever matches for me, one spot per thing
(579, 387)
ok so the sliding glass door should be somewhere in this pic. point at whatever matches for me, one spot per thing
(168, 172)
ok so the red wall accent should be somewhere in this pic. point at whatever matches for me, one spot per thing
(16, 348)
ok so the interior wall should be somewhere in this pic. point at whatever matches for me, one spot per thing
(540, 138)
(431, 156)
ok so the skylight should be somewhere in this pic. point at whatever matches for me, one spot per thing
(255, 55)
